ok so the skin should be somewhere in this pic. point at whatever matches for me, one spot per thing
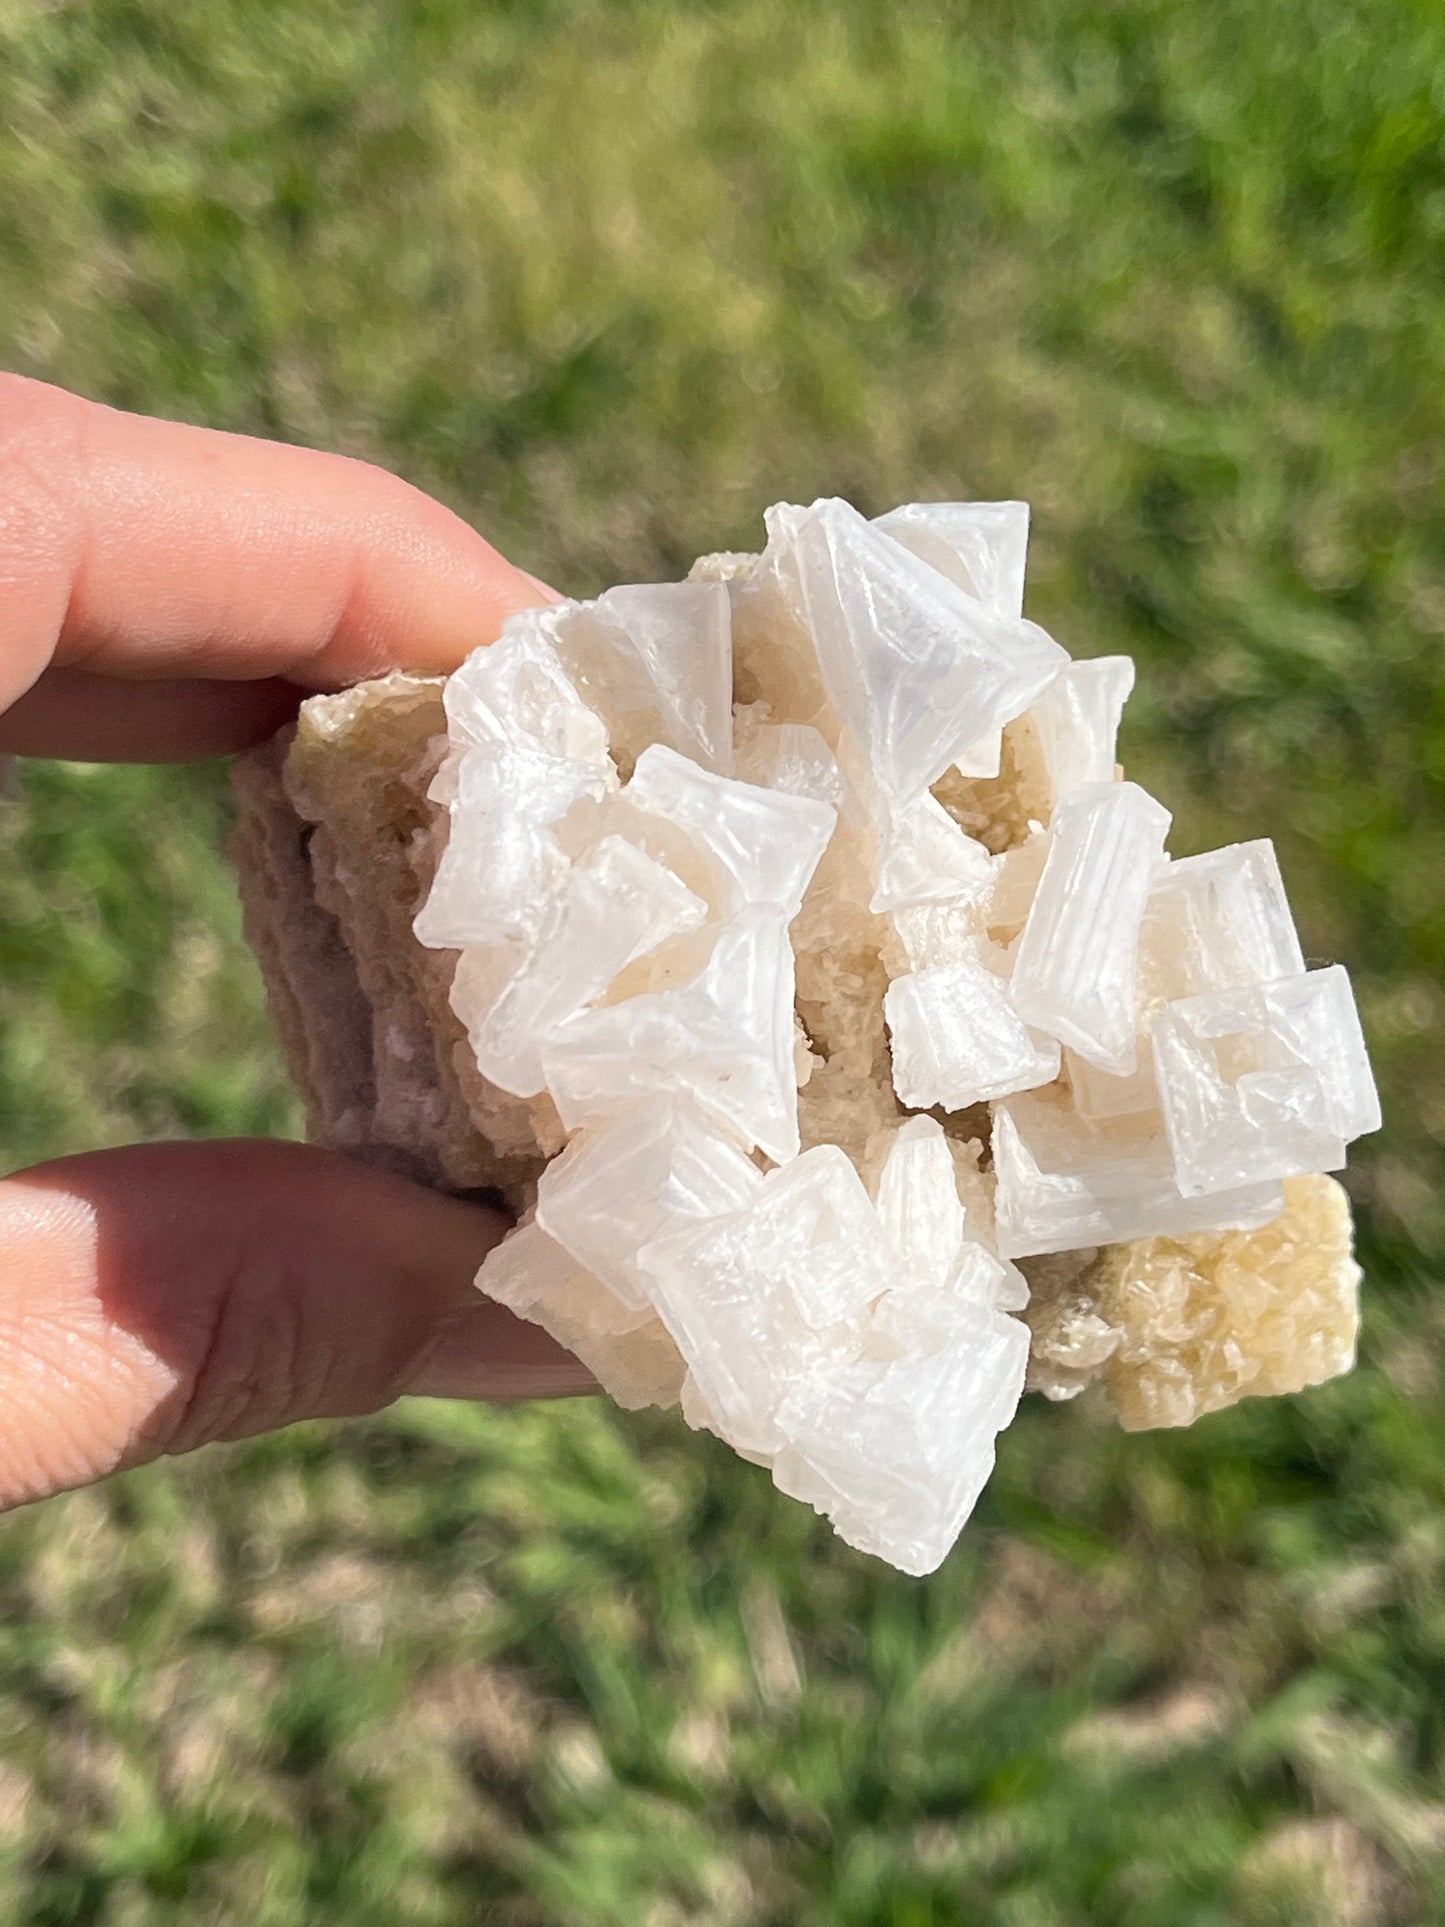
(169, 593)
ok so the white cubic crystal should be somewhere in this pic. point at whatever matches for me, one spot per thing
(791, 757)
(983, 757)
(502, 863)
(1015, 885)
(896, 1454)
(980, 923)
(725, 1040)
(667, 843)
(1099, 1097)
(924, 857)
(1271, 1081)
(925, 1220)
(484, 974)
(980, 546)
(636, 1368)
(656, 661)
(920, 1318)
(1077, 719)
(616, 905)
(700, 1416)
(516, 693)
(981, 1277)
(767, 841)
(627, 1347)
(764, 1297)
(918, 1202)
(916, 668)
(1076, 972)
(528, 1265)
(1064, 1184)
(956, 1040)
(917, 1320)
(1218, 921)
(647, 1172)
(935, 934)
(633, 899)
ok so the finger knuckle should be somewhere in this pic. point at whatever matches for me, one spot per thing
(253, 1369)
(41, 440)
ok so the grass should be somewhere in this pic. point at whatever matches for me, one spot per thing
(608, 278)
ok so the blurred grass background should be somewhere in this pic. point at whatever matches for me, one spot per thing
(609, 278)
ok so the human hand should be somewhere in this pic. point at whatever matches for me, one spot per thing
(169, 593)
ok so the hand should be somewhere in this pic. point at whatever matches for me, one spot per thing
(168, 593)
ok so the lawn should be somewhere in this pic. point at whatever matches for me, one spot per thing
(608, 278)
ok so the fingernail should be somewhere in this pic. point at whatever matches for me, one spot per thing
(544, 589)
(486, 1352)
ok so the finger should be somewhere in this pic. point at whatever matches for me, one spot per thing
(140, 548)
(156, 1298)
(100, 719)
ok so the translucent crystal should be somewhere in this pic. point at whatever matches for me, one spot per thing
(1272, 1081)
(1098, 1096)
(768, 841)
(916, 668)
(656, 660)
(956, 1040)
(918, 1202)
(616, 905)
(502, 864)
(517, 693)
(667, 843)
(924, 1219)
(1016, 878)
(1077, 719)
(626, 1347)
(645, 1173)
(980, 923)
(980, 546)
(896, 1454)
(1217, 922)
(1063, 1184)
(925, 857)
(762, 1299)
(983, 756)
(917, 1320)
(791, 757)
(725, 1040)
(528, 1265)
(1076, 973)
(932, 935)
(983, 1278)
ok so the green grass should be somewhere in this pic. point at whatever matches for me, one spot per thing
(608, 278)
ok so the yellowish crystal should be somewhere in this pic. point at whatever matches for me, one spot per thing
(1203, 1321)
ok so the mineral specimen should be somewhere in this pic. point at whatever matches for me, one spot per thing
(804, 903)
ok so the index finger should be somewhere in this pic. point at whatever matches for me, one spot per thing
(160, 554)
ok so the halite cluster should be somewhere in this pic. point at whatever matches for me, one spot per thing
(806, 895)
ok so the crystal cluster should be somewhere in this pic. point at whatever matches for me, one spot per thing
(809, 895)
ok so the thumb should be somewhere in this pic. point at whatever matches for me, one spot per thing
(156, 1298)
